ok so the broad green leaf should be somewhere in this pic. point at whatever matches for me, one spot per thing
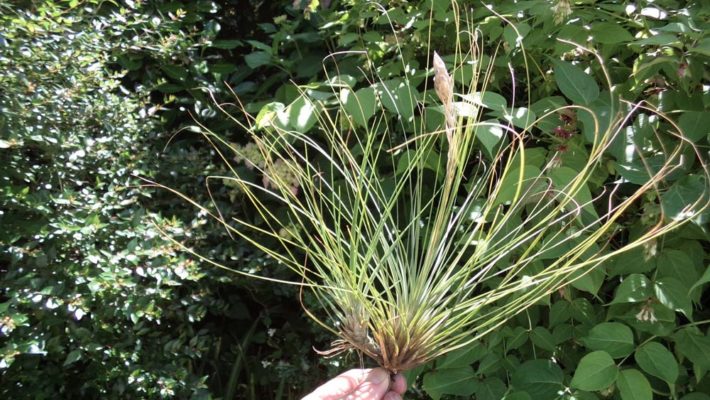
(174, 71)
(222, 68)
(170, 88)
(560, 312)
(633, 385)
(610, 33)
(490, 389)
(562, 178)
(465, 109)
(624, 145)
(318, 95)
(518, 395)
(514, 38)
(513, 181)
(257, 59)
(703, 279)
(695, 125)
(434, 116)
(640, 171)
(490, 100)
(411, 375)
(630, 262)
(702, 47)
(613, 337)
(696, 396)
(261, 46)
(489, 364)
(342, 80)
(541, 107)
(596, 371)
(673, 294)
(430, 160)
(456, 381)
(582, 310)
(677, 264)
(547, 104)
(226, 44)
(575, 156)
(517, 337)
(462, 357)
(676, 27)
(574, 83)
(572, 33)
(635, 288)
(543, 339)
(581, 395)
(688, 190)
(520, 117)
(302, 114)
(535, 156)
(590, 282)
(491, 136)
(360, 105)
(564, 332)
(541, 379)
(397, 97)
(272, 114)
(655, 359)
(695, 346)
(604, 109)
(72, 357)
(659, 40)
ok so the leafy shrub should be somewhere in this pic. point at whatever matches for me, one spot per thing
(94, 300)
(653, 295)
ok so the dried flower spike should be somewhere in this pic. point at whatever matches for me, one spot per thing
(444, 86)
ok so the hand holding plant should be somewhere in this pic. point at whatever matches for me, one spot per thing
(361, 384)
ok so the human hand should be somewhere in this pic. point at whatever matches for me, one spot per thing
(361, 384)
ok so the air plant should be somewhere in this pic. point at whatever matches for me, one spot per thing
(417, 246)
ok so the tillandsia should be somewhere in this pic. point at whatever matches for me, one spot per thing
(417, 245)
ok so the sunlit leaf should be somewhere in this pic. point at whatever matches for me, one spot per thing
(574, 83)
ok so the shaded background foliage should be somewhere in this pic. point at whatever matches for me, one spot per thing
(97, 303)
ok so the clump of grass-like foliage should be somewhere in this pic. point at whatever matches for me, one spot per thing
(416, 246)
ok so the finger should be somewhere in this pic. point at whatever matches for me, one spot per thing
(392, 396)
(375, 386)
(339, 386)
(399, 384)
(345, 384)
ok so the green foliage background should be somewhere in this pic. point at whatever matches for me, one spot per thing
(96, 303)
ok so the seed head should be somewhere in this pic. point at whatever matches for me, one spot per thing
(442, 81)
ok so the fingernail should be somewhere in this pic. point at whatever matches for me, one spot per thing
(379, 375)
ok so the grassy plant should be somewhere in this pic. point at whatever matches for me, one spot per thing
(418, 245)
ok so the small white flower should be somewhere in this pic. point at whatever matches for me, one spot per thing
(646, 314)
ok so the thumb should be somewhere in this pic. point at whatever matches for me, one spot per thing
(373, 387)
(356, 384)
